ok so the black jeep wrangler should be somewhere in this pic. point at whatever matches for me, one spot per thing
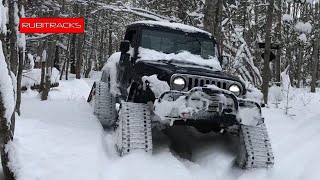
(170, 74)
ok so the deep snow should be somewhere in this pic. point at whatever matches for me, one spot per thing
(33, 77)
(61, 139)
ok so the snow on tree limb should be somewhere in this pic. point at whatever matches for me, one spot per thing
(36, 37)
(240, 52)
(120, 7)
(244, 53)
(6, 88)
(21, 37)
(3, 19)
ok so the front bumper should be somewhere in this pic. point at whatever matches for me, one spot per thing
(206, 105)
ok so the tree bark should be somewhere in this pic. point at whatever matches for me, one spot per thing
(73, 54)
(279, 34)
(73, 45)
(19, 79)
(266, 68)
(299, 64)
(43, 74)
(13, 37)
(43, 60)
(316, 50)
(110, 43)
(51, 52)
(67, 60)
(21, 61)
(80, 48)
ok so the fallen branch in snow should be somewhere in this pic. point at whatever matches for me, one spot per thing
(306, 98)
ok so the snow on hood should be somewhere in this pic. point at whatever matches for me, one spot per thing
(184, 56)
(176, 26)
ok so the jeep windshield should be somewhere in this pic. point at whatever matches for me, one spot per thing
(178, 41)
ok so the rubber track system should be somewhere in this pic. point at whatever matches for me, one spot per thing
(134, 131)
(255, 147)
(104, 105)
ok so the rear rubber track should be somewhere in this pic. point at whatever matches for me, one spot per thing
(255, 147)
(105, 105)
(134, 131)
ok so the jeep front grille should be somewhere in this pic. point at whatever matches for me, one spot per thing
(196, 81)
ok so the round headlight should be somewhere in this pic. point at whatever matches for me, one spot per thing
(179, 83)
(235, 89)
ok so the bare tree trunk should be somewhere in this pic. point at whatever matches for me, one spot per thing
(51, 50)
(92, 51)
(66, 61)
(80, 48)
(316, 51)
(19, 79)
(21, 64)
(39, 53)
(13, 38)
(278, 30)
(73, 53)
(67, 67)
(77, 58)
(56, 61)
(43, 74)
(110, 43)
(299, 65)
(89, 65)
(102, 44)
(209, 17)
(43, 60)
(266, 68)
(218, 28)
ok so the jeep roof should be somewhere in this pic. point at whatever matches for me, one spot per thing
(170, 25)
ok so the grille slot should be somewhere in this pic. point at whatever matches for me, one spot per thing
(190, 83)
(219, 84)
(195, 82)
(201, 82)
(224, 85)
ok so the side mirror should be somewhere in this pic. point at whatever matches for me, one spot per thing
(124, 46)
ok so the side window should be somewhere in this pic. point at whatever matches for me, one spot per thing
(206, 49)
(132, 37)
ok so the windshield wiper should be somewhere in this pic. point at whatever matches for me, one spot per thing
(166, 61)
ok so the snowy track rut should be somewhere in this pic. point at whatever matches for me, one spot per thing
(62, 139)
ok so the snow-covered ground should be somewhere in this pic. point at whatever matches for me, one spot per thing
(62, 139)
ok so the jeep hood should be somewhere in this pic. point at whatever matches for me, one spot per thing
(165, 69)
